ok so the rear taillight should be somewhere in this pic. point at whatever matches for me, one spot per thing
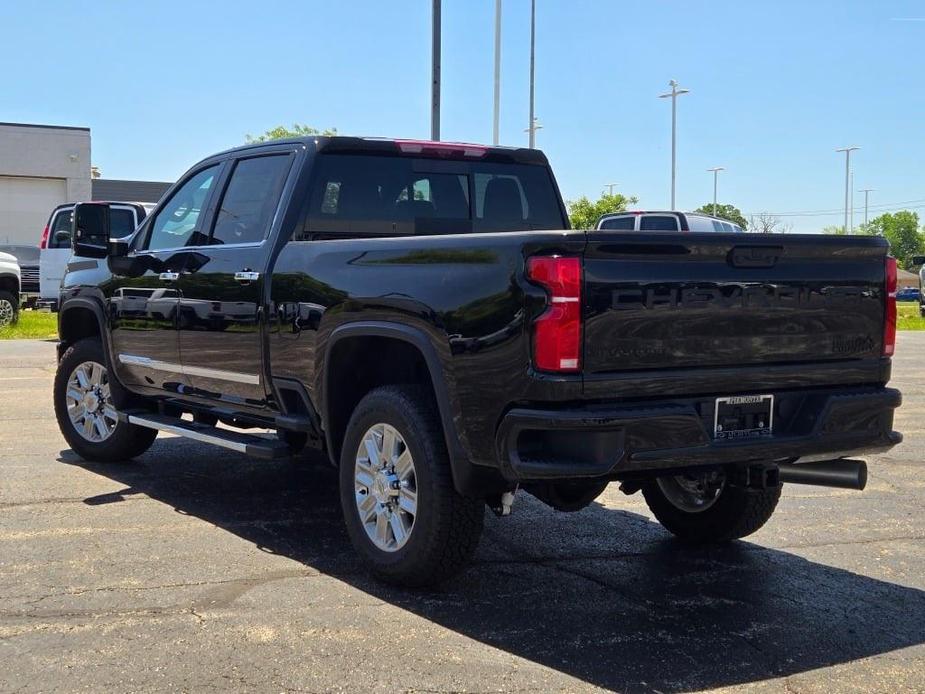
(44, 242)
(557, 332)
(889, 323)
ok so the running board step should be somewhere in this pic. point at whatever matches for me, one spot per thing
(249, 444)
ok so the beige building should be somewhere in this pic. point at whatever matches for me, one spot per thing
(41, 166)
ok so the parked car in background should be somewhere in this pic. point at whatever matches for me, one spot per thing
(28, 259)
(9, 289)
(643, 220)
(920, 261)
(908, 294)
(55, 246)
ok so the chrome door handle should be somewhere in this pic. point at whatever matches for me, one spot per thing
(247, 276)
(169, 276)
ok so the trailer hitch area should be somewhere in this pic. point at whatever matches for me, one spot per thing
(758, 477)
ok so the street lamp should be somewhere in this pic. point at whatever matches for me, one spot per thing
(866, 191)
(673, 94)
(847, 151)
(715, 170)
(532, 118)
(610, 187)
(496, 120)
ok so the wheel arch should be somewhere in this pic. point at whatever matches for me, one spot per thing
(415, 344)
(78, 319)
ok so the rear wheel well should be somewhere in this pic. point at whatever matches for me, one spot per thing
(76, 324)
(10, 284)
(359, 364)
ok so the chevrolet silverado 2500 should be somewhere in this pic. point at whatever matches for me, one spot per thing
(421, 312)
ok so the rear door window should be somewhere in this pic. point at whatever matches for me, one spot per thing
(59, 235)
(627, 223)
(250, 199)
(698, 223)
(658, 222)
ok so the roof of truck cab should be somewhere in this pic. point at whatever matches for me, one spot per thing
(379, 145)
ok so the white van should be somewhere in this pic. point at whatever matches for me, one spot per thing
(55, 246)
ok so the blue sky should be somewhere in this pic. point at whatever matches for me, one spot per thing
(775, 87)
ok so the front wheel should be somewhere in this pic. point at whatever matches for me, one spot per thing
(403, 515)
(9, 309)
(84, 410)
(703, 507)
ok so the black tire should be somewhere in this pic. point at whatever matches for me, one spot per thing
(126, 440)
(447, 526)
(7, 299)
(737, 512)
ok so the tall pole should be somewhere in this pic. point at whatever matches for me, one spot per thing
(866, 191)
(435, 74)
(610, 187)
(715, 170)
(847, 151)
(496, 131)
(673, 94)
(532, 138)
(851, 219)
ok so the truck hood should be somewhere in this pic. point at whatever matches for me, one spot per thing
(8, 262)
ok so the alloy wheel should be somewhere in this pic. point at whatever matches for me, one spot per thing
(693, 493)
(7, 312)
(385, 487)
(89, 403)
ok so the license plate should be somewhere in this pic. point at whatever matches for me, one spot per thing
(743, 417)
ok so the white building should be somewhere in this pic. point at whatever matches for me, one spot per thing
(41, 166)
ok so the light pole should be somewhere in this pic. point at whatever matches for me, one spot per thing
(866, 192)
(851, 218)
(610, 187)
(496, 132)
(532, 118)
(673, 94)
(715, 170)
(435, 74)
(847, 151)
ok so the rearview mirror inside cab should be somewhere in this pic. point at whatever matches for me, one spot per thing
(90, 230)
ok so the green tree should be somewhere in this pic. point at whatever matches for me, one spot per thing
(281, 131)
(901, 229)
(728, 212)
(834, 230)
(584, 214)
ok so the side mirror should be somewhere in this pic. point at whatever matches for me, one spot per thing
(918, 260)
(90, 230)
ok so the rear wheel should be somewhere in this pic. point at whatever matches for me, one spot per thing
(403, 515)
(84, 410)
(9, 309)
(704, 508)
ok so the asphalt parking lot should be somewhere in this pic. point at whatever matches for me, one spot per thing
(194, 568)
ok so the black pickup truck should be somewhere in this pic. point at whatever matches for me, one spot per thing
(422, 313)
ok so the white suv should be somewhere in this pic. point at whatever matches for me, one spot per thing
(10, 284)
(639, 220)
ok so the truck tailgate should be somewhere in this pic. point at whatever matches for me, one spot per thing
(685, 300)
